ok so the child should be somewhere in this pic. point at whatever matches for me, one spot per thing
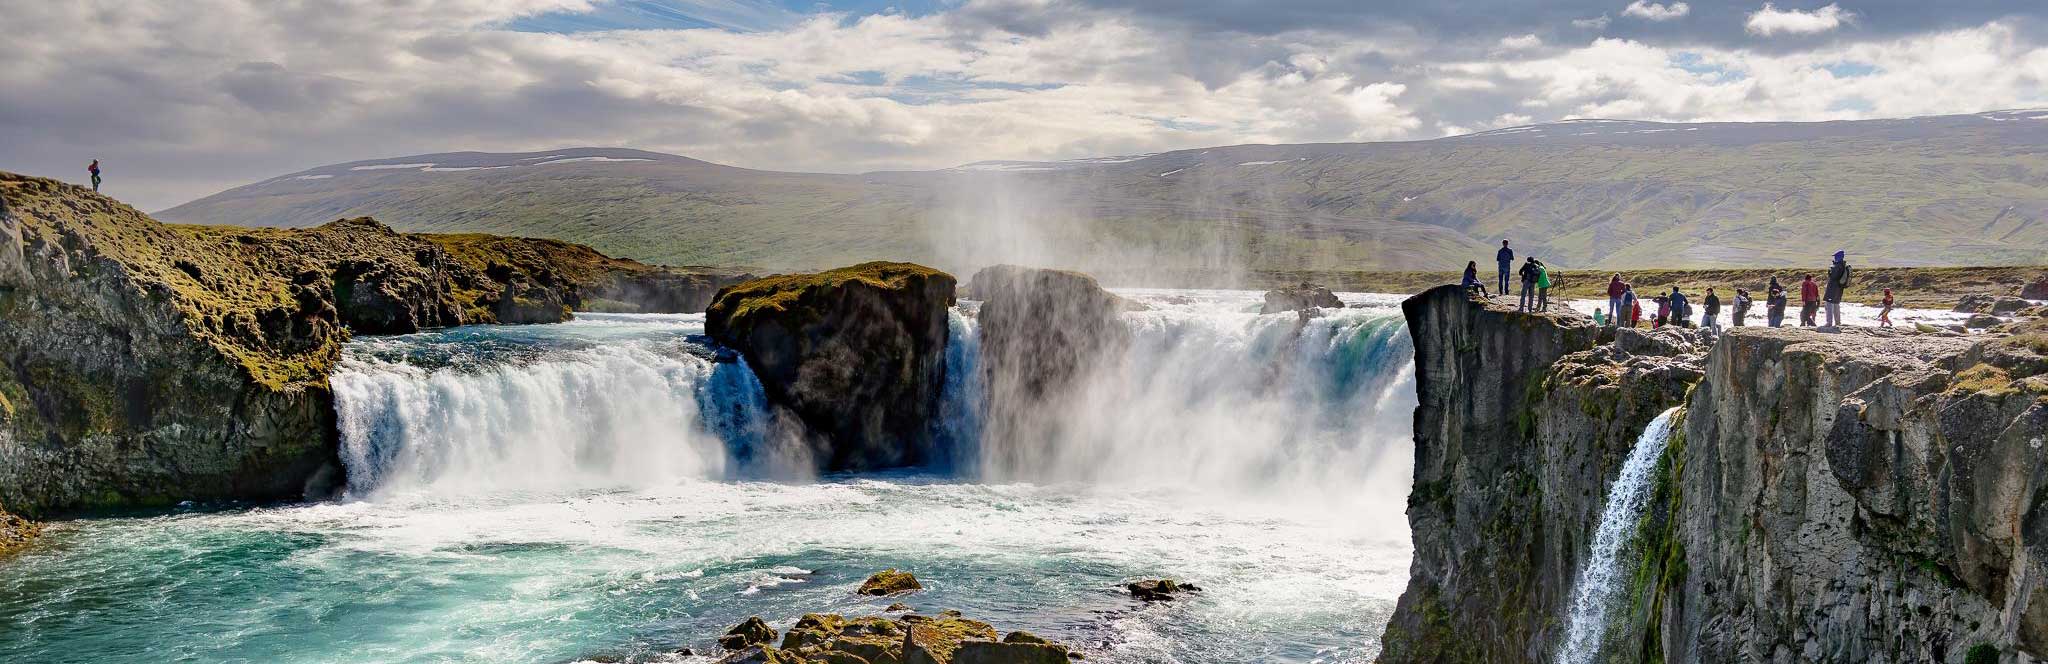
(1884, 317)
(1599, 319)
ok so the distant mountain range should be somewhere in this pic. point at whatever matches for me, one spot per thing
(1946, 190)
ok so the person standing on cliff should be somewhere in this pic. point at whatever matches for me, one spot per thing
(1884, 316)
(1542, 286)
(1681, 309)
(1774, 304)
(1809, 300)
(1506, 258)
(1711, 320)
(1615, 288)
(1838, 283)
(1632, 308)
(1528, 274)
(94, 169)
(1742, 304)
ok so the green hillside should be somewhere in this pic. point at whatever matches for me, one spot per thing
(1950, 190)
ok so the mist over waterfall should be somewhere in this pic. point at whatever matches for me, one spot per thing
(1601, 577)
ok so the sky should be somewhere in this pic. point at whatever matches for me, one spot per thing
(183, 98)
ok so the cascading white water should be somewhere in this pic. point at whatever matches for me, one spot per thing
(1212, 394)
(611, 402)
(1600, 579)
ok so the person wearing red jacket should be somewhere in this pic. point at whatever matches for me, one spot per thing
(1615, 288)
(1809, 301)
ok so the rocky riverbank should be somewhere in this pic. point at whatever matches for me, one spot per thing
(1862, 496)
(143, 363)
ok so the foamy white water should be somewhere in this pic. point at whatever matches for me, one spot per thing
(554, 493)
(1601, 577)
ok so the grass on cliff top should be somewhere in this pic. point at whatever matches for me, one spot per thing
(220, 289)
(777, 292)
(1915, 287)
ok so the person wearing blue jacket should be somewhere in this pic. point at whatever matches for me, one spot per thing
(1681, 311)
(1506, 258)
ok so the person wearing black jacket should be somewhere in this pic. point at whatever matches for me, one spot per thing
(1774, 303)
(1506, 258)
(1711, 319)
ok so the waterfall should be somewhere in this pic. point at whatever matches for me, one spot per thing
(609, 402)
(1210, 394)
(1601, 579)
(1207, 394)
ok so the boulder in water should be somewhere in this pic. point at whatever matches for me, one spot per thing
(1981, 321)
(16, 532)
(1300, 296)
(856, 354)
(890, 582)
(1040, 332)
(753, 632)
(1159, 590)
(2036, 289)
(986, 652)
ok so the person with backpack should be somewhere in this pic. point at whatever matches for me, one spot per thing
(1838, 284)
(1529, 272)
(94, 169)
(1542, 286)
(1742, 304)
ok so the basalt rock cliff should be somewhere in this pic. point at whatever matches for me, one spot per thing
(856, 355)
(1868, 496)
(143, 363)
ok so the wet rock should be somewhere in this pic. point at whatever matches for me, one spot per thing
(2036, 289)
(756, 655)
(1041, 331)
(889, 582)
(1159, 590)
(753, 632)
(898, 607)
(1021, 636)
(1979, 303)
(1981, 321)
(1300, 296)
(984, 652)
(16, 532)
(856, 355)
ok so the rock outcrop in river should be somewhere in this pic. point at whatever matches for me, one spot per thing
(856, 354)
(1869, 496)
(145, 363)
(1040, 331)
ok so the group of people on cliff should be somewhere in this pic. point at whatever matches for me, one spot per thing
(1625, 309)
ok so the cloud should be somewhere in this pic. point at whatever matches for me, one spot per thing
(1596, 23)
(1771, 20)
(176, 112)
(1656, 12)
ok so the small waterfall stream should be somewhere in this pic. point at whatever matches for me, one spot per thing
(1601, 578)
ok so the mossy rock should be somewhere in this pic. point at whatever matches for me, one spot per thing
(753, 632)
(889, 582)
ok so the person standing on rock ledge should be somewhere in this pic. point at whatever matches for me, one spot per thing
(1809, 300)
(1711, 320)
(1742, 304)
(1884, 317)
(1774, 304)
(1838, 282)
(1506, 258)
(1528, 273)
(1615, 288)
(94, 169)
(1630, 307)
